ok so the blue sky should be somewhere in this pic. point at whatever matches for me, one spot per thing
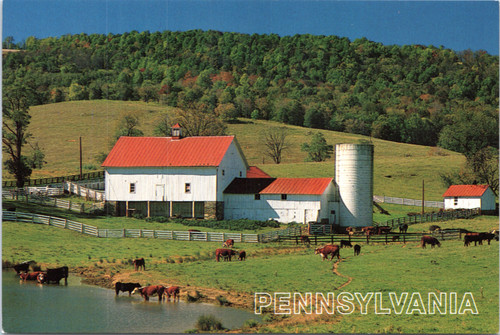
(458, 25)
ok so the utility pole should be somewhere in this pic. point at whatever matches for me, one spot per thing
(80, 158)
(423, 196)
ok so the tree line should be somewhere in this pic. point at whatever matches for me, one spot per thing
(414, 94)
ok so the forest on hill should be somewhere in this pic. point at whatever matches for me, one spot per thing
(414, 94)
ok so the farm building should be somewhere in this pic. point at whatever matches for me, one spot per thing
(209, 177)
(469, 196)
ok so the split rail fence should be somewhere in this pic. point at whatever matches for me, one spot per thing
(128, 233)
(48, 201)
(407, 202)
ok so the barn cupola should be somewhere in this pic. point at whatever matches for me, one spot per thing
(176, 132)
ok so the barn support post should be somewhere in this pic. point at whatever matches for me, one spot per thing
(149, 208)
(170, 209)
(192, 209)
(126, 208)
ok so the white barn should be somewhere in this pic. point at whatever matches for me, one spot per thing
(172, 176)
(282, 199)
(469, 196)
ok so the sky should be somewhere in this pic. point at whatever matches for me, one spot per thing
(458, 25)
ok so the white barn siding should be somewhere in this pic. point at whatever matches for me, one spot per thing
(232, 166)
(161, 184)
(486, 202)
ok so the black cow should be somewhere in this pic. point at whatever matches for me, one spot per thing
(403, 228)
(24, 266)
(126, 287)
(54, 275)
(345, 243)
(357, 249)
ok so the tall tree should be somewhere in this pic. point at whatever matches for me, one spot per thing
(16, 118)
(275, 142)
(318, 150)
(128, 126)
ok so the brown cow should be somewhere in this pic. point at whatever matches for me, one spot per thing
(138, 263)
(328, 249)
(383, 230)
(228, 244)
(370, 230)
(426, 239)
(225, 253)
(173, 290)
(242, 255)
(150, 291)
(30, 275)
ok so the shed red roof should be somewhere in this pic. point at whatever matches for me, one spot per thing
(255, 172)
(314, 186)
(168, 151)
(465, 190)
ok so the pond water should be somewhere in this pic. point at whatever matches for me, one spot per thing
(78, 308)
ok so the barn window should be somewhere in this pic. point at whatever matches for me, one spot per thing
(132, 187)
(223, 172)
(241, 174)
(257, 197)
(283, 197)
(455, 201)
(187, 188)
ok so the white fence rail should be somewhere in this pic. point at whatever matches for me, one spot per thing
(407, 202)
(83, 191)
(128, 233)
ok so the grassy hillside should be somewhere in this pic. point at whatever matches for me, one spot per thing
(399, 168)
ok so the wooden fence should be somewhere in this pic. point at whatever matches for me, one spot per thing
(128, 233)
(275, 235)
(53, 202)
(451, 234)
(82, 191)
(433, 217)
(407, 202)
(56, 180)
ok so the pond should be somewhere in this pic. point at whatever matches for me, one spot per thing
(78, 308)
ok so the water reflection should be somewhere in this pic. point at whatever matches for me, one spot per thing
(28, 307)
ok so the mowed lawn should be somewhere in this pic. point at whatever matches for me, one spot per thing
(281, 268)
(398, 168)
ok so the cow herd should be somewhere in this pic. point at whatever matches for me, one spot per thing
(43, 277)
(334, 250)
(227, 254)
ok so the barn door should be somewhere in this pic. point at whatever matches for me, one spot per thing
(160, 192)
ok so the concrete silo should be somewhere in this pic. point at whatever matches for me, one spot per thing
(354, 177)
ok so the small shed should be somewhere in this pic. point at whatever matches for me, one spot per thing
(469, 196)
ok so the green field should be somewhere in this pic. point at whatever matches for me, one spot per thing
(282, 268)
(399, 168)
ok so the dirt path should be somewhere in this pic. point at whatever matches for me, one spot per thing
(335, 270)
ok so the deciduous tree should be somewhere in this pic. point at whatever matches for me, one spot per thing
(318, 150)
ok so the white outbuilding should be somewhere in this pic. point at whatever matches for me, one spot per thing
(469, 196)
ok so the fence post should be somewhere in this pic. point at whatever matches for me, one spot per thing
(65, 223)
(367, 239)
(404, 238)
(123, 232)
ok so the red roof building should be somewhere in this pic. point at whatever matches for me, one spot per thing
(168, 151)
(255, 172)
(312, 186)
(469, 197)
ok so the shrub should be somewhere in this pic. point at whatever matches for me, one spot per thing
(222, 300)
(250, 323)
(208, 323)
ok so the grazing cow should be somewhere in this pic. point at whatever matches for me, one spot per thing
(126, 287)
(242, 255)
(138, 263)
(345, 243)
(370, 230)
(426, 239)
(469, 237)
(395, 238)
(228, 244)
(434, 227)
(24, 266)
(173, 290)
(328, 249)
(305, 239)
(403, 228)
(54, 275)
(486, 237)
(383, 230)
(150, 291)
(357, 249)
(30, 275)
(225, 253)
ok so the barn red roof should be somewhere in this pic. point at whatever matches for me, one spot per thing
(465, 190)
(168, 151)
(314, 186)
(255, 172)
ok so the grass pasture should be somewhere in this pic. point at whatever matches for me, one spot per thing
(277, 268)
